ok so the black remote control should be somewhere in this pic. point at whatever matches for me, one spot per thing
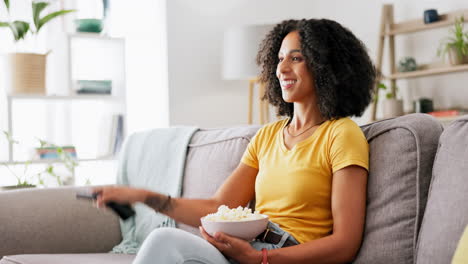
(123, 210)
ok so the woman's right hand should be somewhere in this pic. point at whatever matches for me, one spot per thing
(119, 194)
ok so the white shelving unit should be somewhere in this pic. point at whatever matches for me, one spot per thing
(90, 57)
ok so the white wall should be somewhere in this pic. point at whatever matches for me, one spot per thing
(199, 96)
(144, 28)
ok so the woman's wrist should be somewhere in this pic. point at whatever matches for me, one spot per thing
(255, 257)
(159, 202)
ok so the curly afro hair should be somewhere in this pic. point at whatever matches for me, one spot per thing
(343, 72)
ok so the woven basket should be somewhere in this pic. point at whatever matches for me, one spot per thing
(27, 73)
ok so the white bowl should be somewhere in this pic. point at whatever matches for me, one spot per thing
(246, 230)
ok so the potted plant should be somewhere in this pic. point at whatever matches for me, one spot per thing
(456, 45)
(392, 107)
(25, 179)
(27, 70)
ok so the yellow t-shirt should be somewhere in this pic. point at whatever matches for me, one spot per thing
(293, 187)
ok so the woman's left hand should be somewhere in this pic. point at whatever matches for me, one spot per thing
(233, 247)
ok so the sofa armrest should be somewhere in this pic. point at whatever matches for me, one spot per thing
(53, 221)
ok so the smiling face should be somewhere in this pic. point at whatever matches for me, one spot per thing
(297, 83)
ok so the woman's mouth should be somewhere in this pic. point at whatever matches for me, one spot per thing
(286, 84)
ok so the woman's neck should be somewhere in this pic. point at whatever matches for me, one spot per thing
(305, 116)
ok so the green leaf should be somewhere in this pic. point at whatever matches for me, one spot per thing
(37, 8)
(382, 86)
(7, 4)
(51, 16)
(389, 96)
(42, 143)
(3, 24)
(50, 169)
(19, 29)
(10, 138)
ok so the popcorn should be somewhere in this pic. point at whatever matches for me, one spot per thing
(237, 214)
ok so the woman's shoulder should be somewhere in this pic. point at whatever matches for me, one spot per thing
(344, 123)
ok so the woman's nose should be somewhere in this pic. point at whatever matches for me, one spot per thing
(283, 67)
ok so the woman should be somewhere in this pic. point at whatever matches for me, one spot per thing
(308, 172)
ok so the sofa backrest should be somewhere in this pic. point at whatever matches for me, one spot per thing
(401, 156)
(212, 156)
(447, 213)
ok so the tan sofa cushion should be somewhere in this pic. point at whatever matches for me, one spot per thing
(103, 258)
(52, 220)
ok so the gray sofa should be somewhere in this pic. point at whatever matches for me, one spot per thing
(412, 209)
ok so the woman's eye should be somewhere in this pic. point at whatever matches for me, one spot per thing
(280, 59)
(296, 58)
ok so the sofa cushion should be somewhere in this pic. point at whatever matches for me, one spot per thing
(212, 156)
(446, 214)
(104, 258)
(401, 156)
(52, 220)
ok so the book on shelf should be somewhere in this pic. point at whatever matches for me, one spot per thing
(94, 86)
(119, 135)
(448, 113)
(111, 135)
(50, 153)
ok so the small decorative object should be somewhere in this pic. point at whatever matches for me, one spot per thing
(89, 25)
(94, 86)
(392, 107)
(423, 105)
(456, 45)
(430, 16)
(407, 64)
(56, 152)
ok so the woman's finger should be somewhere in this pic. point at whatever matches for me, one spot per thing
(97, 190)
(209, 238)
(221, 237)
(220, 245)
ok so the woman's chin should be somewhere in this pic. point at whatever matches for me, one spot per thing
(287, 99)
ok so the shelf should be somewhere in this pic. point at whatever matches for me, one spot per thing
(416, 25)
(427, 72)
(55, 161)
(65, 97)
(93, 36)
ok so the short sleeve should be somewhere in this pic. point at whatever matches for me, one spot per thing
(348, 146)
(250, 156)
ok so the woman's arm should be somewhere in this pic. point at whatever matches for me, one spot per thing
(348, 209)
(237, 190)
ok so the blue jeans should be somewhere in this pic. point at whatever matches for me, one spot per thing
(172, 245)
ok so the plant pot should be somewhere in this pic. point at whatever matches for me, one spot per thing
(456, 58)
(26, 73)
(392, 108)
